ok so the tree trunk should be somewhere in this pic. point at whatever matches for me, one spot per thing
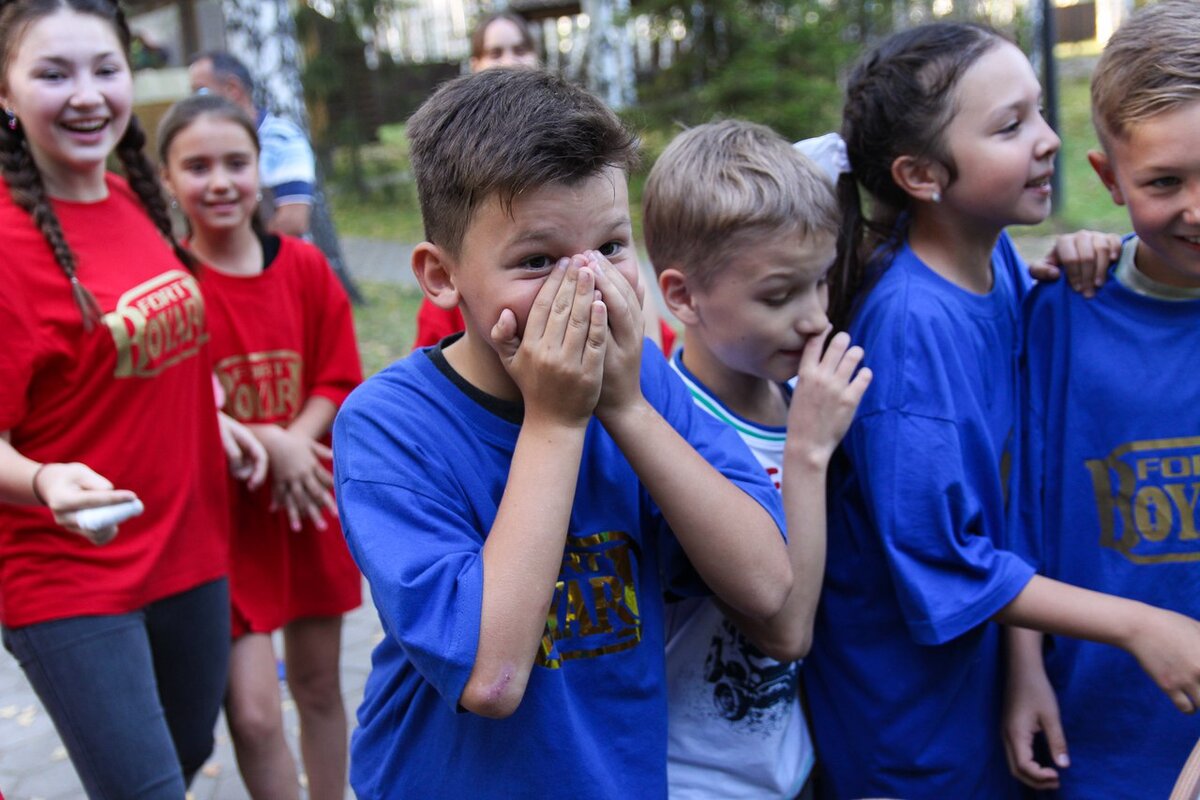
(262, 34)
(610, 53)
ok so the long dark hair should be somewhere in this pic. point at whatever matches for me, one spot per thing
(899, 100)
(21, 173)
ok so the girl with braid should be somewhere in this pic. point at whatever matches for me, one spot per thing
(105, 397)
(284, 349)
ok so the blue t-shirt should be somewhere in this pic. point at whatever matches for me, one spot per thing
(421, 460)
(1109, 485)
(904, 675)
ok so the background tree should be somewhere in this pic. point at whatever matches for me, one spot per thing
(262, 34)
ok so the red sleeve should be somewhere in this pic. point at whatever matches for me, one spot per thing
(333, 350)
(668, 337)
(435, 324)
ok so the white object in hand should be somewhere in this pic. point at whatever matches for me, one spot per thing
(100, 517)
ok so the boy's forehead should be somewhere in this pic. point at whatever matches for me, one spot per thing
(1168, 138)
(600, 199)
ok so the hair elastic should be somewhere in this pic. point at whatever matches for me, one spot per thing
(828, 152)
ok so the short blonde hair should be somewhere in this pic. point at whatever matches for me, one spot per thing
(722, 186)
(1150, 66)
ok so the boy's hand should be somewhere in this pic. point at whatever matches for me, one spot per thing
(1029, 707)
(67, 488)
(623, 357)
(828, 390)
(300, 483)
(1085, 256)
(558, 365)
(1167, 646)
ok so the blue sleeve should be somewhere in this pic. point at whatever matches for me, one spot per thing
(919, 479)
(720, 446)
(1040, 342)
(417, 545)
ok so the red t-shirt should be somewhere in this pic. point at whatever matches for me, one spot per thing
(279, 338)
(435, 324)
(132, 399)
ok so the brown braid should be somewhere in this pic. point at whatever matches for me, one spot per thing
(21, 173)
(143, 179)
(28, 192)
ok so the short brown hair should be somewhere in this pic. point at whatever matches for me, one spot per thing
(1151, 65)
(720, 186)
(506, 132)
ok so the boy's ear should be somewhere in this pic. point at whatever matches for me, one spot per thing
(1103, 167)
(431, 265)
(921, 178)
(678, 295)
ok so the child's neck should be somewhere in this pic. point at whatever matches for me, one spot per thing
(478, 364)
(750, 397)
(957, 249)
(233, 252)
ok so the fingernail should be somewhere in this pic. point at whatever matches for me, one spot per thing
(1062, 760)
(563, 262)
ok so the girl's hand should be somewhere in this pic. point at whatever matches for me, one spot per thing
(1167, 646)
(558, 364)
(1029, 707)
(623, 358)
(829, 388)
(246, 456)
(300, 483)
(67, 488)
(1084, 255)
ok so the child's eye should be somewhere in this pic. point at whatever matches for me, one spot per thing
(1011, 127)
(108, 69)
(51, 75)
(1166, 182)
(536, 263)
(610, 249)
(777, 300)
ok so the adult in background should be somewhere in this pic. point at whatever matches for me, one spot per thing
(287, 168)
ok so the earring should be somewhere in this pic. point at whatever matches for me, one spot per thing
(258, 196)
(12, 119)
(936, 196)
(175, 203)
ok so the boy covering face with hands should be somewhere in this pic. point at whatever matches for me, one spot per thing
(517, 496)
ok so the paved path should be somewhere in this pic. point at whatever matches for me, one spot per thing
(34, 765)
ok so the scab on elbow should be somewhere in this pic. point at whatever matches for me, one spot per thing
(496, 698)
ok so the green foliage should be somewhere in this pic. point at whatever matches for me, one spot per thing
(386, 324)
(756, 60)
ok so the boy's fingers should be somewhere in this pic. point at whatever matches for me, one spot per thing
(579, 322)
(1044, 271)
(322, 451)
(543, 304)
(860, 383)
(597, 337)
(1056, 740)
(810, 355)
(564, 302)
(851, 360)
(504, 335)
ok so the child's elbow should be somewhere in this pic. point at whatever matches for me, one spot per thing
(769, 594)
(495, 698)
(790, 646)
